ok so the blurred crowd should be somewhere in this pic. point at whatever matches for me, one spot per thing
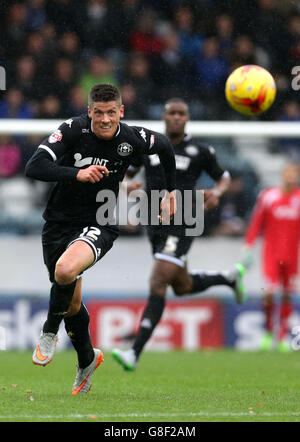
(55, 50)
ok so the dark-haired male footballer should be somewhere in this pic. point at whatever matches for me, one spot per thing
(170, 244)
(85, 155)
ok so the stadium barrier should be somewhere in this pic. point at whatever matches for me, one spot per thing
(194, 128)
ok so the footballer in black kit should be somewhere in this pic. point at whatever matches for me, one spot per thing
(85, 155)
(170, 243)
(192, 158)
(72, 207)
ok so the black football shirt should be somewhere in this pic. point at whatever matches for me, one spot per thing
(191, 158)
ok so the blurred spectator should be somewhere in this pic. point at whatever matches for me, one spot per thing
(67, 16)
(293, 27)
(138, 74)
(284, 94)
(69, 46)
(245, 52)
(144, 38)
(189, 41)
(96, 11)
(267, 26)
(119, 22)
(35, 45)
(231, 214)
(16, 28)
(211, 70)
(295, 52)
(50, 107)
(96, 18)
(36, 14)
(99, 70)
(25, 78)
(164, 9)
(225, 34)
(209, 34)
(48, 34)
(76, 103)
(14, 106)
(64, 79)
(134, 109)
(172, 73)
(42, 56)
(10, 157)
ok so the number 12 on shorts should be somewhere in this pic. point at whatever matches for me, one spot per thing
(93, 232)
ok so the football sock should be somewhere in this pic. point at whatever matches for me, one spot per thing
(60, 298)
(151, 316)
(77, 328)
(202, 280)
(268, 309)
(285, 312)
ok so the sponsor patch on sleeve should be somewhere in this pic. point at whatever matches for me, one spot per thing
(56, 136)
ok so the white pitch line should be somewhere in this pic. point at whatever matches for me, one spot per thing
(156, 415)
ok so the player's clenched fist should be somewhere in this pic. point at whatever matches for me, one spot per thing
(168, 207)
(211, 199)
(92, 174)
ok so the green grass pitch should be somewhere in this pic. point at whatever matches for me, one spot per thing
(175, 386)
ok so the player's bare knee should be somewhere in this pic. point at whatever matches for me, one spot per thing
(182, 289)
(179, 290)
(158, 286)
(64, 274)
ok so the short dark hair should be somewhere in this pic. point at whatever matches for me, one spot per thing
(104, 92)
(176, 100)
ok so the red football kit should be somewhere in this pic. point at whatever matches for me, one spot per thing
(277, 217)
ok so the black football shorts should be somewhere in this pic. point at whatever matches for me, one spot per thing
(57, 237)
(170, 247)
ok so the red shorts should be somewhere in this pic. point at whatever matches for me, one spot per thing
(280, 274)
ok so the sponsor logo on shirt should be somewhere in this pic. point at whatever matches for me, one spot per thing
(286, 212)
(81, 162)
(182, 162)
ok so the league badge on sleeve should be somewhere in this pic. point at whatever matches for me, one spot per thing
(56, 136)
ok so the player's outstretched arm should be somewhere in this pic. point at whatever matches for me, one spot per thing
(165, 151)
(132, 170)
(247, 256)
(254, 229)
(212, 196)
(44, 164)
(43, 168)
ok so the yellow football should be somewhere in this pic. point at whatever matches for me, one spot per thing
(250, 90)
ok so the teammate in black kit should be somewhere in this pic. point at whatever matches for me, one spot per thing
(85, 155)
(170, 244)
